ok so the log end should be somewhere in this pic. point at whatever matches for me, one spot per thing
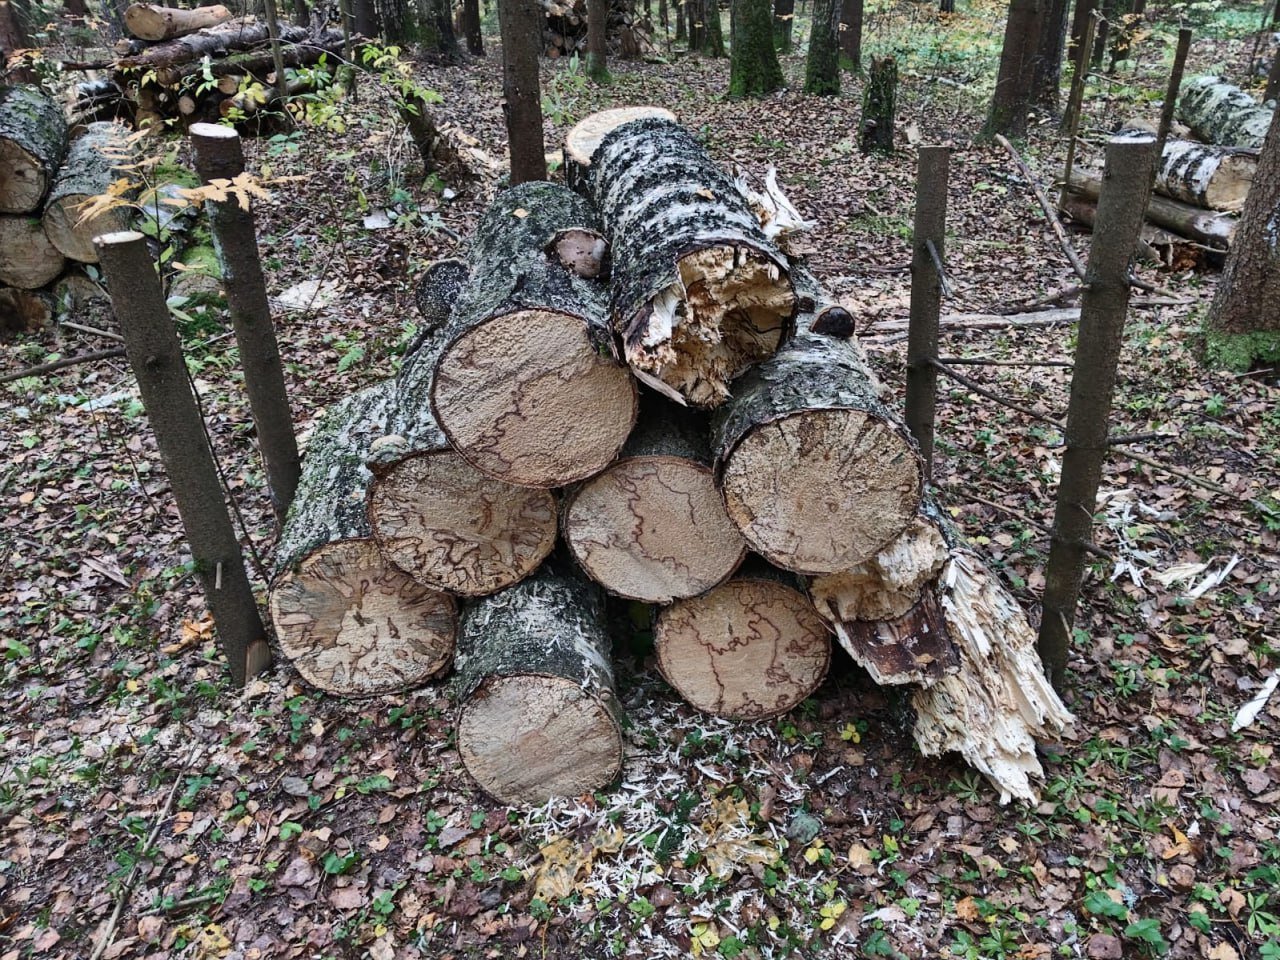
(580, 251)
(24, 311)
(527, 738)
(527, 397)
(834, 322)
(72, 233)
(355, 626)
(584, 137)
(653, 528)
(23, 179)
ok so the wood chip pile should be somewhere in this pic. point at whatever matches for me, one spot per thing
(634, 390)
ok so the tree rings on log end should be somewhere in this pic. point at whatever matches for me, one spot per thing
(820, 491)
(748, 649)
(526, 738)
(527, 397)
(355, 626)
(72, 235)
(584, 137)
(452, 528)
(653, 528)
(23, 178)
(728, 312)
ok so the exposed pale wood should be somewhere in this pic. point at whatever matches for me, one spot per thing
(751, 648)
(1204, 175)
(584, 137)
(28, 260)
(33, 140)
(538, 715)
(93, 163)
(148, 21)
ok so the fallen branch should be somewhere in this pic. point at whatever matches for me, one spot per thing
(993, 396)
(60, 364)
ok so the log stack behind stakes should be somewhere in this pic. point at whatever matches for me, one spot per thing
(760, 428)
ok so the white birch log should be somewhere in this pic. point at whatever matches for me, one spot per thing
(1220, 112)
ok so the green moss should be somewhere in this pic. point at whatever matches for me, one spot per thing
(173, 173)
(1239, 352)
(753, 64)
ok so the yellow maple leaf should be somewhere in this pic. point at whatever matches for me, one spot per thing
(703, 937)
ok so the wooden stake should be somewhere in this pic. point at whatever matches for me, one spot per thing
(273, 31)
(1071, 120)
(926, 297)
(1126, 187)
(151, 342)
(1171, 92)
(219, 156)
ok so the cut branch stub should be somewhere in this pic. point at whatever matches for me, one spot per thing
(814, 470)
(526, 388)
(539, 717)
(93, 162)
(699, 292)
(751, 648)
(584, 137)
(436, 292)
(351, 623)
(652, 526)
(33, 140)
(437, 517)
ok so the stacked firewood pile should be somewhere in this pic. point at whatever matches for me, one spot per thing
(45, 180)
(629, 33)
(633, 390)
(1200, 184)
(202, 64)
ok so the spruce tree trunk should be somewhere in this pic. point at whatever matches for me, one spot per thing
(93, 163)
(879, 105)
(350, 622)
(822, 65)
(1012, 98)
(598, 40)
(446, 39)
(539, 716)
(753, 64)
(366, 19)
(520, 22)
(1244, 321)
(33, 141)
(851, 32)
(784, 16)
(1046, 80)
(471, 27)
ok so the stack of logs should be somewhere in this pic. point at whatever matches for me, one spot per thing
(45, 237)
(202, 64)
(1200, 187)
(639, 371)
(629, 33)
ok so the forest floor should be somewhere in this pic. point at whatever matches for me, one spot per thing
(141, 794)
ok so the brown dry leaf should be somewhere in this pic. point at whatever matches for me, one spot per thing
(731, 844)
(859, 856)
(966, 909)
(1181, 846)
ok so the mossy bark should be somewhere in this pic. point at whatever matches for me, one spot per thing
(753, 63)
(713, 34)
(33, 141)
(784, 18)
(879, 106)
(851, 32)
(94, 162)
(822, 65)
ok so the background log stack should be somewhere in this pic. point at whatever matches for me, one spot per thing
(514, 412)
(630, 34)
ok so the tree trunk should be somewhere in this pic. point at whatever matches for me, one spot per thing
(784, 16)
(366, 19)
(471, 27)
(33, 141)
(1220, 112)
(28, 260)
(1273, 79)
(713, 35)
(520, 22)
(851, 32)
(24, 311)
(598, 40)
(212, 41)
(1244, 321)
(1216, 230)
(1012, 98)
(94, 162)
(753, 64)
(806, 439)
(697, 28)
(539, 717)
(822, 65)
(350, 622)
(526, 388)
(1046, 81)
(699, 293)
(750, 649)
(13, 36)
(680, 7)
(652, 526)
(584, 137)
(147, 21)
(446, 39)
(1079, 23)
(879, 105)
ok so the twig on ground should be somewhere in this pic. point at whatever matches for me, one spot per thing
(1042, 527)
(85, 328)
(993, 396)
(53, 365)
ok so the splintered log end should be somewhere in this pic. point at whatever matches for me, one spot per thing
(355, 626)
(653, 528)
(528, 738)
(457, 530)
(585, 136)
(749, 649)
(821, 491)
(834, 322)
(1229, 184)
(580, 251)
(999, 703)
(911, 648)
(527, 397)
(729, 311)
(887, 585)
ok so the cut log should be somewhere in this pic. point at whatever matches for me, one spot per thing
(24, 311)
(146, 21)
(255, 62)
(1211, 228)
(1158, 246)
(351, 623)
(436, 516)
(526, 388)
(699, 292)
(1213, 177)
(999, 703)
(751, 648)
(238, 34)
(28, 260)
(583, 138)
(815, 471)
(259, 96)
(539, 717)
(652, 526)
(1220, 112)
(885, 612)
(94, 162)
(33, 140)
